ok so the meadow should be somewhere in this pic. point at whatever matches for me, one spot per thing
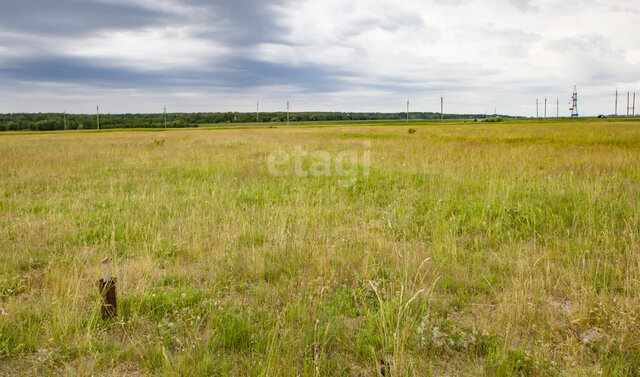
(460, 249)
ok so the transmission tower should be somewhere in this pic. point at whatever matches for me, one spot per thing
(574, 103)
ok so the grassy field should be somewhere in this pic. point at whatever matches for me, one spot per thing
(507, 249)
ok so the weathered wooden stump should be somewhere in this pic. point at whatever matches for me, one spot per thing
(107, 287)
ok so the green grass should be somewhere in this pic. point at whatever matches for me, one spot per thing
(467, 249)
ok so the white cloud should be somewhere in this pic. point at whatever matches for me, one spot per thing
(471, 50)
(150, 49)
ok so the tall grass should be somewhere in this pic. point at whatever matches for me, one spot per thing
(467, 250)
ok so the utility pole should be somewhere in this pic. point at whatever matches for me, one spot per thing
(537, 113)
(557, 107)
(407, 111)
(165, 116)
(287, 112)
(627, 103)
(545, 107)
(441, 109)
(98, 115)
(634, 104)
(257, 111)
(64, 119)
(616, 108)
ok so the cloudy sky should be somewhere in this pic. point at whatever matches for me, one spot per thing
(349, 55)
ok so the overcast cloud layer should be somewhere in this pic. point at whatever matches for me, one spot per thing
(355, 55)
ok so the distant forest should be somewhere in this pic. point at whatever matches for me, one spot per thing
(59, 121)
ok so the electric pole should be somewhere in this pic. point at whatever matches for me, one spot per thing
(407, 111)
(557, 107)
(257, 111)
(64, 119)
(545, 107)
(98, 115)
(537, 113)
(616, 106)
(287, 112)
(441, 109)
(627, 103)
(165, 116)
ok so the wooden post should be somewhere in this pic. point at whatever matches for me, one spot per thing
(107, 287)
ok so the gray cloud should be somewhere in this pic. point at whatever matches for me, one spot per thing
(228, 73)
(63, 69)
(243, 46)
(73, 17)
(245, 22)
(240, 21)
(235, 24)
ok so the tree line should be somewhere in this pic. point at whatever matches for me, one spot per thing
(59, 121)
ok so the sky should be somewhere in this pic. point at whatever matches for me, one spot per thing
(320, 55)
